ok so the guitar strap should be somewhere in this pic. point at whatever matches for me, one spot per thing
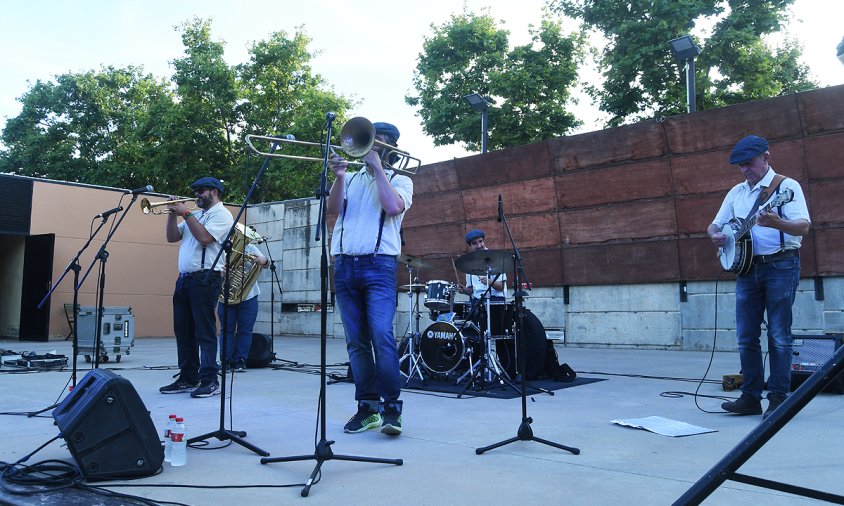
(764, 195)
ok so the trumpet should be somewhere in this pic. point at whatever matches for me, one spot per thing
(357, 137)
(153, 207)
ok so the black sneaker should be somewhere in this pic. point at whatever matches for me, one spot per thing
(206, 389)
(774, 401)
(240, 366)
(745, 405)
(179, 386)
(391, 418)
(366, 418)
(391, 424)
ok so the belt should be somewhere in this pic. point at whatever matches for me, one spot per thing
(192, 274)
(779, 255)
(368, 255)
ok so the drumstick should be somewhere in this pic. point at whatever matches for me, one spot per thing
(456, 276)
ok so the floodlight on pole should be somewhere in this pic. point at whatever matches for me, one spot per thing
(479, 103)
(685, 50)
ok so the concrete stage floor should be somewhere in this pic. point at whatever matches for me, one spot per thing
(278, 410)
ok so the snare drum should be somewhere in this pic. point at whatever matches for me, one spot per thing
(438, 295)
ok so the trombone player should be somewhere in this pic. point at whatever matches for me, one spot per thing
(370, 205)
(195, 296)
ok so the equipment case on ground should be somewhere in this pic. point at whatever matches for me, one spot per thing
(117, 336)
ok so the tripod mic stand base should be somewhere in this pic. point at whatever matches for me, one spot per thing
(230, 435)
(525, 433)
(324, 453)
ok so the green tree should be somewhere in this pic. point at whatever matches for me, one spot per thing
(85, 127)
(527, 87)
(119, 127)
(281, 95)
(641, 79)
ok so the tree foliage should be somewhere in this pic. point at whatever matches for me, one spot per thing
(736, 65)
(527, 87)
(124, 128)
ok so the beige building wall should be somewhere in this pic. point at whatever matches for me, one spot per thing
(141, 267)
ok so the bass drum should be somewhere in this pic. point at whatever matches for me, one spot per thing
(535, 344)
(443, 346)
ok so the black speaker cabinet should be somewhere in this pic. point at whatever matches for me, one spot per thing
(260, 351)
(108, 429)
(810, 354)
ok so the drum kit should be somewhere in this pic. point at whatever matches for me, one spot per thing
(464, 334)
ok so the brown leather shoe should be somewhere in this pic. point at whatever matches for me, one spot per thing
(744, 405)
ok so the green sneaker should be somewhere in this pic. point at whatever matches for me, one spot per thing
(363, 420)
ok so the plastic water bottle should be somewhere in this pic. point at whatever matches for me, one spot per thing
(168, 443)
(179, 450)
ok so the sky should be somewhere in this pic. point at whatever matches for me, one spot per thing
(368, 48)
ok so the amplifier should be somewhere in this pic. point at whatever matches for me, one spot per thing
(810, 354)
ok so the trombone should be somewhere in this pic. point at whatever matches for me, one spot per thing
(153, 208)
(357, 137)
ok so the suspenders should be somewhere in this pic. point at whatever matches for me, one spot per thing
(343, 217)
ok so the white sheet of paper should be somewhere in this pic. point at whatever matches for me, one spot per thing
(663, 426)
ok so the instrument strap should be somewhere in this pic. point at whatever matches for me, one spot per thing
(763, 197)
(766, 193)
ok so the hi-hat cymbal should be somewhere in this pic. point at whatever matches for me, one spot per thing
(485, 261)
(415, 288)
(413, 262)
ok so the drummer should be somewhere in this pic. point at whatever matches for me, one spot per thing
(476, 285)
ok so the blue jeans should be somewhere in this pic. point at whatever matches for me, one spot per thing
(195, 326)
(770, 288)
(366, 295)
(239, 321)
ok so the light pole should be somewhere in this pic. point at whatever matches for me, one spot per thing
(685, 50)
(479, 103)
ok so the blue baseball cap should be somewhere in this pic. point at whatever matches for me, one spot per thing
(387, 129)
(747, 149)
(474, 234)
(208, 182)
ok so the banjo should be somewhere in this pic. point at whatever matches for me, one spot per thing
(737, 253)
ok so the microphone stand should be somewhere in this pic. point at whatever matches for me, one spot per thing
(76, 268)
(102, 258)
(274, 278)
(525, 433)
(322, 451)
(222, 433)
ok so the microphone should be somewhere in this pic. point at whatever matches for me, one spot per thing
(108, 213)
(500, 209)
(330, 116)
(146, 189)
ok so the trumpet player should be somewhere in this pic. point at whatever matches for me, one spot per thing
(195, 297)
(370, 205)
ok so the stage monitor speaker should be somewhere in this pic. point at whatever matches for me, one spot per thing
(260, 351)
(108, 429)
(810, 354)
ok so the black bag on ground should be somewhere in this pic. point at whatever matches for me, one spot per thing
(553, 368)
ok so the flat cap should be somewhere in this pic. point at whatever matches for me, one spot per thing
(387, 129)
(208, 182)
(474, 234)
(748, 148)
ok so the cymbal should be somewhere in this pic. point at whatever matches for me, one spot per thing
(477, 262)
(413, 262)
(415, 288)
